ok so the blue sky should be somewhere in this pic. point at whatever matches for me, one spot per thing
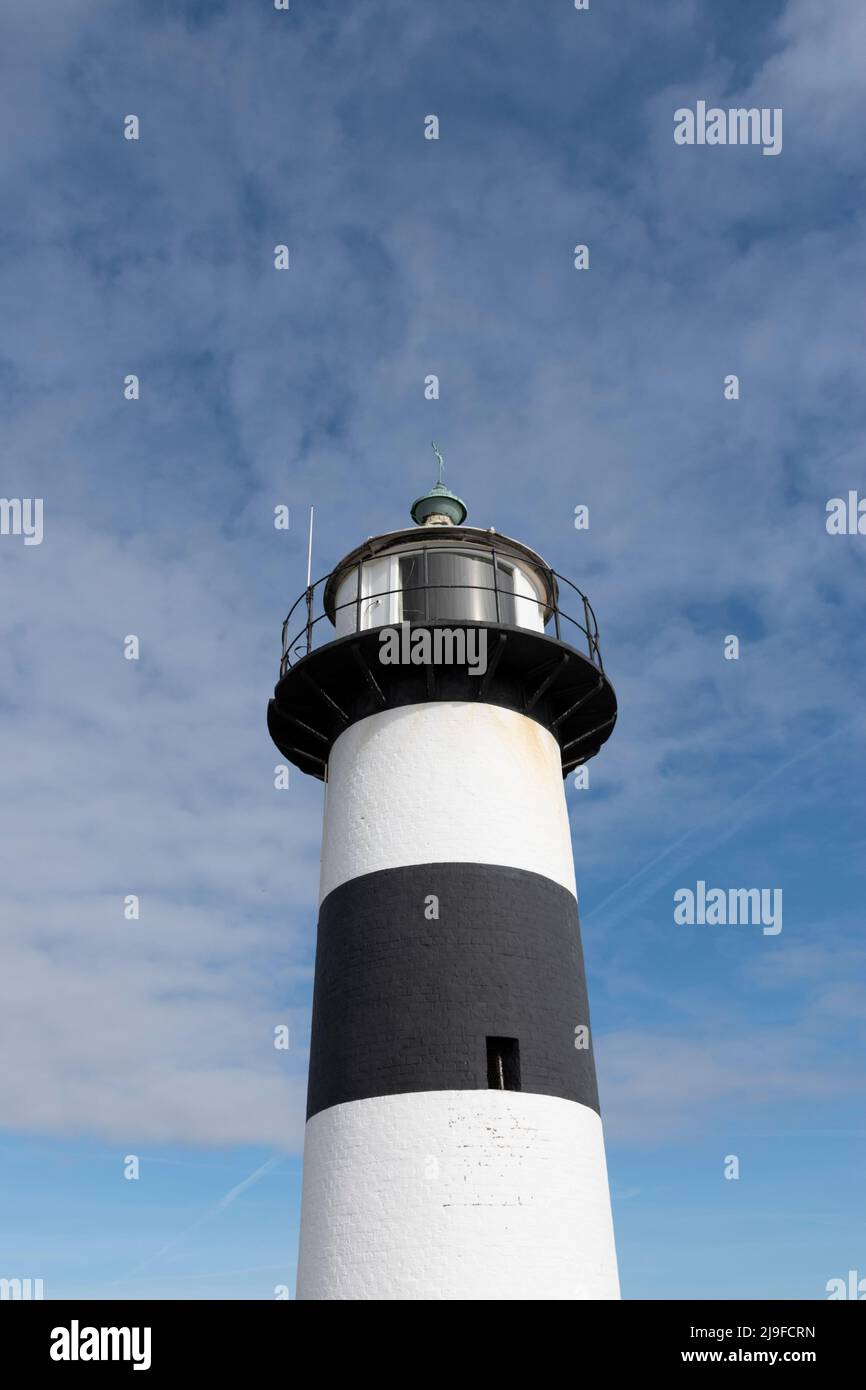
(558, 388)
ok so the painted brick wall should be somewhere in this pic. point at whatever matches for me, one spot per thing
(403, 1003)
(445, 781)
(456, 1195)
(431, 1185)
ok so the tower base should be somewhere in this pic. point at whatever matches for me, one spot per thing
(456, 1195)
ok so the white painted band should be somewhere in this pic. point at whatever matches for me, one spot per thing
(447, 782)
(456, 1195)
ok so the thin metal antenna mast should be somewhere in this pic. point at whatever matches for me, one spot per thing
(309, 585)
(310, 551)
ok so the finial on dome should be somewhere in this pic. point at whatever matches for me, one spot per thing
(439, 506)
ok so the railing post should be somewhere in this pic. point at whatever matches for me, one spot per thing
(309, 618)
(589, 640)
(555, 607)
(358, 596)
(426, 586)
(495, 585)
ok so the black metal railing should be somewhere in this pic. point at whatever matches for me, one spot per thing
(301, 643)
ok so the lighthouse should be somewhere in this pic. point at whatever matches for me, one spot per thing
(443, 681)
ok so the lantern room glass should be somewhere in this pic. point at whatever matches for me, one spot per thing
(451, 586)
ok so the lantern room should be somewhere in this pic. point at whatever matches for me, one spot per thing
(542, 658)
(447, 574)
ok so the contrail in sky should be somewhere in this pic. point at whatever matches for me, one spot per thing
(731, 806)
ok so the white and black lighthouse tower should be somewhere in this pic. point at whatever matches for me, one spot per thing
(453, 1145)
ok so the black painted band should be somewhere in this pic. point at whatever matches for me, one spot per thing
(403, 1003)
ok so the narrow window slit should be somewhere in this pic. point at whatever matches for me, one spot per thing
(503, 1064)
